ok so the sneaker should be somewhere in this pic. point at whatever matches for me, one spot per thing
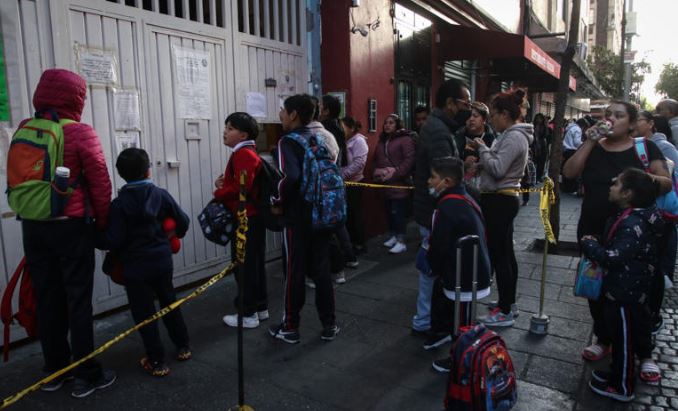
(247, 322)
(330, 333)
(442, 365)
(289, 336)
(83, 388)
(352, 264)
(602, 388)
(310, 283)
(390, 242)
(436, 340)
(262, 315)
(496, 318)
(155, 368)
(184, 354)
(658, 325)
(419, 333)
(514, 308)
(600, 376)
(57, 383)
(340, 278)
(398, 248)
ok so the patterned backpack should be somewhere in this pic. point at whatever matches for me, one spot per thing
(321, 184)
(482, 377)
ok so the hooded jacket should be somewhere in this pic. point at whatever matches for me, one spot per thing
(436, 139)
(64, 92)
(397, 151)
(572, 138)
(503, 165)
(356, 156)
(630, 257)
(135, 229)
(452, 220)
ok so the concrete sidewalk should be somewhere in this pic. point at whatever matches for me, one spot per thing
(374, 364)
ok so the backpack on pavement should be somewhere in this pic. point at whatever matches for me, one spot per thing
(321, 184)
(26, 316)
(482, 377)
(666, 203)
(35, 152)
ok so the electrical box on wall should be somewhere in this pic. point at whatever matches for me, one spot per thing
(372, 115)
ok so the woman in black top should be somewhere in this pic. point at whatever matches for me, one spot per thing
(598, 161)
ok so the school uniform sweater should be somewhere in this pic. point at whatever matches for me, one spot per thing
(244, 158)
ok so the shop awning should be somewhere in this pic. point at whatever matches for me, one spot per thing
(514, 57)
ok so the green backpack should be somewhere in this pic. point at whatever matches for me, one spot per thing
(36, 150)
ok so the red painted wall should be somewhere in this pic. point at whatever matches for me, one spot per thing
(364, 68)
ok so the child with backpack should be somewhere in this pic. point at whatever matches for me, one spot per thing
(628, 254)
(457, 215)
(311, 199)
(240, 132)
(135, 232)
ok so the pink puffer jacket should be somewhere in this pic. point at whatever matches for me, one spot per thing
(64, 92)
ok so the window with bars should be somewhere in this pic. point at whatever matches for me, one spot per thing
(278, 20)
(210, 12)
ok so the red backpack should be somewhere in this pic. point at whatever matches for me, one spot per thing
(26, 316)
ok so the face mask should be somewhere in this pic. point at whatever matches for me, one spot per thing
(432, 192)
(462, 116)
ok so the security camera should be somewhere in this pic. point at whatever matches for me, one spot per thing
(360, 29)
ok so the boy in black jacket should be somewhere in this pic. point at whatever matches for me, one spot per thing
(136, 234)
(456, 215)
(628, 253)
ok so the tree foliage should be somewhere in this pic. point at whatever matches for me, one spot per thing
(605, 67)
(668, 81)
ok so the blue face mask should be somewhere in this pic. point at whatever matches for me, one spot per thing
(432, 192)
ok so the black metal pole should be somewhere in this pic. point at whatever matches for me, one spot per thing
(241, 305)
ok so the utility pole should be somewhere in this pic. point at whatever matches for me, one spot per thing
(622, 90)
(561, 100)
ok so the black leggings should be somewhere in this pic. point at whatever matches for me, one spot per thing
(499, 211)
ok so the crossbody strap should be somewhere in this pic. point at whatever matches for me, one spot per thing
(469, 200)
(640, 145)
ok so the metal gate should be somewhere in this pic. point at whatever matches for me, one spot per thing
(151, 46)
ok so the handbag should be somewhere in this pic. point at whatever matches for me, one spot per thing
(588, 281)
(217, 223)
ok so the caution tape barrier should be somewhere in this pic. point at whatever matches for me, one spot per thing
(241, 239)
(371, 185)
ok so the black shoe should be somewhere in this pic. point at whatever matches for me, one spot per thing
(658, 325)
(606, 390)
(419, 333)
(436, 340)
(83, 388)
(600, 376)
(56, 383)
(443, 365)
(289, 336)
(184, 354)
(330, 333)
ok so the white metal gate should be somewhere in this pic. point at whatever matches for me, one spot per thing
(187, 153)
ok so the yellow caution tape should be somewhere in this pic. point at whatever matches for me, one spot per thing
(546, 200)
(368, 185)
(241, 239)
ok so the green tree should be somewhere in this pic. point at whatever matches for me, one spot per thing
(668, 81)
(605, 66)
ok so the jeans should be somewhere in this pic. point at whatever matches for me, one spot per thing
(396, 209)
(422, 320)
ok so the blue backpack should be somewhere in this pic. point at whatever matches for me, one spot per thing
(321, 184)
(666, 203)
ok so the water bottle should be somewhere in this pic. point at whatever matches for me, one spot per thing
(60, 190)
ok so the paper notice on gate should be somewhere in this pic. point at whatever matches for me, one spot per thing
(127, 139)
(192, 91)
(256, 104)
(97, 66)
(126, 109)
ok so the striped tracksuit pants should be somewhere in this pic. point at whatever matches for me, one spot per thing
(628, 326)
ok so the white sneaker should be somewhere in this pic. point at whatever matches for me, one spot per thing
(340, 278)
(391, 242)
(262, 315)
(310, 283)
(247, 322)
(398, 248)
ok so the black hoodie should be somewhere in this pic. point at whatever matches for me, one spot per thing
(135, 228)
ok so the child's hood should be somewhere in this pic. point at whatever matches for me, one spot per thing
(140, 201)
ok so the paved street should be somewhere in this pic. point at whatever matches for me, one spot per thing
(374, 364)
